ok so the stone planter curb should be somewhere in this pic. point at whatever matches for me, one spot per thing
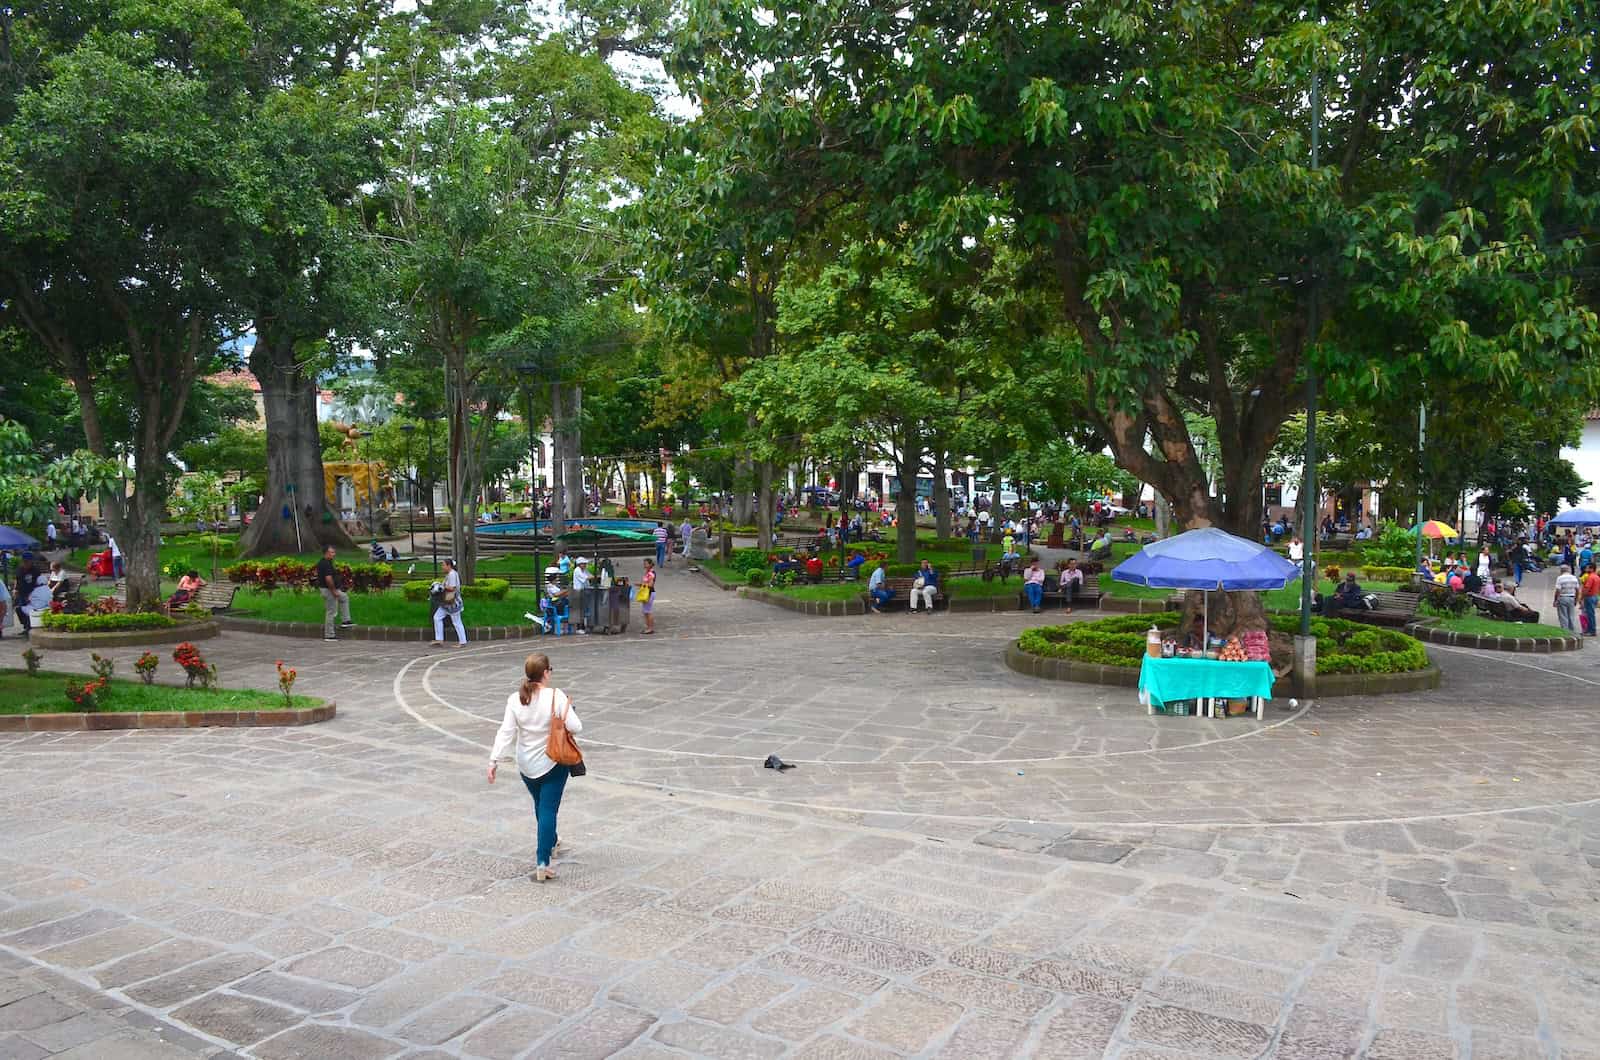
(1328, 685)
(165, 719)
(1426, 630)
(1132, 606)
(58, 640)
(313, 631)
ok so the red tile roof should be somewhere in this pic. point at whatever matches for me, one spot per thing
(235, 379)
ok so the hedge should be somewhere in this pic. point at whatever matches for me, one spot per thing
(1400, 575)
(482, 589)
(296, 574)
(106, 623)
(1343, 647)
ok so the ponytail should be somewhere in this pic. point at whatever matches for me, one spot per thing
(534, 667)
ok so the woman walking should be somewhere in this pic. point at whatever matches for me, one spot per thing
(530, 712)
(449, 604)
(647, 596)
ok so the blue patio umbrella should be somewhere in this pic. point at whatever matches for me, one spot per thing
(1207, 559)
(11, 537)
(1577, 517)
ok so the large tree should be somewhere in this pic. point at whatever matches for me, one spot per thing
(120, 196)
(1154, 162)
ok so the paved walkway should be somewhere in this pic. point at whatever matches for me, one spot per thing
(965, 863)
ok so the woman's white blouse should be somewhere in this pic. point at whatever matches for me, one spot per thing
(528, 727)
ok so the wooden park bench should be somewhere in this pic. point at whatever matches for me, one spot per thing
(1389, 609)
(901, 587)
(1088, 594)
(213, 596)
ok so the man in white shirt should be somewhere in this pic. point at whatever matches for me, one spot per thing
(116, 556)
(50, 533)
(585, 594)
(1566, 599)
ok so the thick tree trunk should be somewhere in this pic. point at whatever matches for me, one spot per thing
(465, 467)
(558, 462)
(294, 460)
(138, 529)
(764, 505)
(941, 495)
(908, 462)
(1225, 614)
(743, 476)
(572, 471)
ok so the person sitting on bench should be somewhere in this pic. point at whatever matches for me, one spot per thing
(1071, 584)
(877, 591)
(188, 585)
(1033, 584)
(1348, 596)
(377, 552)
(929, 587)
(814, 568)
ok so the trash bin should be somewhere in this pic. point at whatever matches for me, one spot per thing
(619, 605)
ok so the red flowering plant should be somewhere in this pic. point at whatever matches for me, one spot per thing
(286, 679)
(195, 668)
(146, 667)
(85, 696)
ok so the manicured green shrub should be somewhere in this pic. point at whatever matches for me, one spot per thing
(298, 575)
(757, 578)
(1400, 575)
(1343, 647)
(745, 560)
(105, 623)
(482, 589)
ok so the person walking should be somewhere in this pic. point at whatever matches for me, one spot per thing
(335, 601)
(647, 596)
(531, 710)
(450, 605)
(116, 556)
(661, 535)
(1589, 586)
(1566, 599)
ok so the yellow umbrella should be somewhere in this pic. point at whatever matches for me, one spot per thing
(1434, 528)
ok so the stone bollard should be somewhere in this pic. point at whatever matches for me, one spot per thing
(1305, 666)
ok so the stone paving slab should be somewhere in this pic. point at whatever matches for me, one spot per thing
(1400, 877)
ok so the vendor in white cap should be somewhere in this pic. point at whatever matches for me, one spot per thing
(554, 587)
(583, 614)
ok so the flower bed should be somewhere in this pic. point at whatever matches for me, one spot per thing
(299, 575)
(1343, 647)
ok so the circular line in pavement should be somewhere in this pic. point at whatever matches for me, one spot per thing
(427, 686)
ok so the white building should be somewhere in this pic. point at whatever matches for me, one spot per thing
(1586, 457)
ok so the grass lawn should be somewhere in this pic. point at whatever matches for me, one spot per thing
(384, 609)
(1493, 627)
(46, 694)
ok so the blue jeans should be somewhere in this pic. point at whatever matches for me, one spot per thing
(1516, 570)
(661, 553)
(881, 596)
(1035, 593)
(1588, 610)
(546, 792)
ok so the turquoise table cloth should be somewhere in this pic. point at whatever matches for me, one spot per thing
(1163, 681)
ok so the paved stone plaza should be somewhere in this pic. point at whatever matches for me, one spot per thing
(965, 863)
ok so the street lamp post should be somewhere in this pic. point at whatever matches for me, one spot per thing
(411, 501)
(433, 515)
